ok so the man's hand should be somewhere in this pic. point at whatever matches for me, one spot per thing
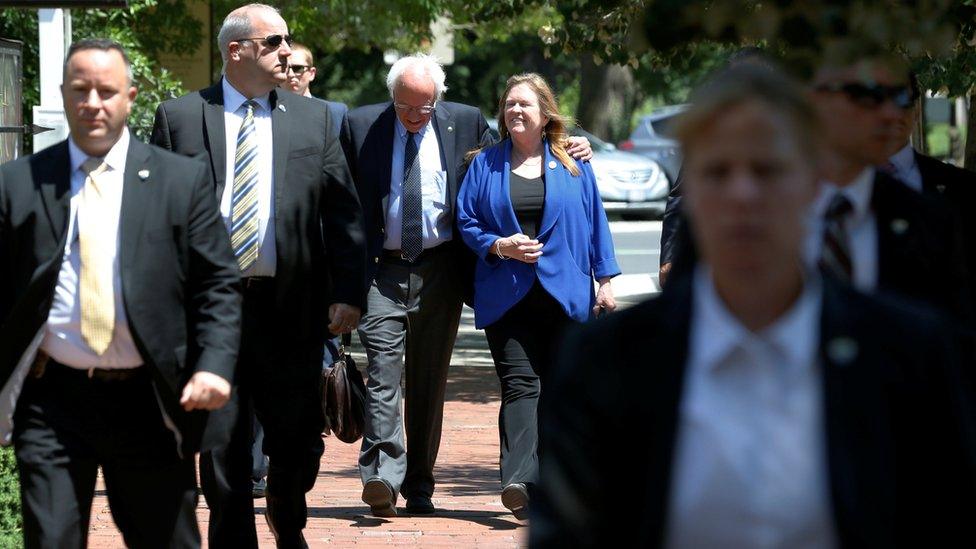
(662, 275)
(205, 391)
(343, 318)
(579, 147)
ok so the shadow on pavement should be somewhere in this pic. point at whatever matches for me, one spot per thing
(496, 520)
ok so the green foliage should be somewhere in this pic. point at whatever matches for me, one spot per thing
(146, 29)
(10, 518)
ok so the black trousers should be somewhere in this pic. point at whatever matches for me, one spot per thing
(280, 379)
(67, 425)
(522, 344)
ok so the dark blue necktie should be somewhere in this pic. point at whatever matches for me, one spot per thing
(412, 210)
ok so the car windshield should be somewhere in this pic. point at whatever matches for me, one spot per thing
(596, 143)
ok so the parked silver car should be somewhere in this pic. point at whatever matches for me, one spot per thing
(629, 183)
(652, 139)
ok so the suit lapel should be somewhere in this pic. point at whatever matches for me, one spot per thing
(555, 176)
(898, 252)
(281, 141)
(54, 181)
(385, 125)
(858, 445)
(137, 196)
(666, 381)
(444, 126)
(213, 120)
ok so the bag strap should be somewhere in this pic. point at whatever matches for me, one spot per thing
(345, 340)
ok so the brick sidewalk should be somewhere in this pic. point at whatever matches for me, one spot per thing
(469, 510)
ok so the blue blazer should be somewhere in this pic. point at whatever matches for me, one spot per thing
(577, 246)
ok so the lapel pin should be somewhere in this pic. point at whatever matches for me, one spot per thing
(552, 164)
(899, 226)
(842, 350)
(143, 174)
(282, 108)
(450, 129)
(940, 188)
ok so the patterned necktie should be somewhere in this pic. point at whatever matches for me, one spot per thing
(836, 255)
(244, 199)
(96, 294)
(411, 231)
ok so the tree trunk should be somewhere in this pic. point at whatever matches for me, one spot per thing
(607, 96)
(970, 158)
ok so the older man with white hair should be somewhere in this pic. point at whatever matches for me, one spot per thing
(407, 160)
(288, 201)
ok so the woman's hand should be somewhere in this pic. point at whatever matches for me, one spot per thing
(518, 246)
(604, 298)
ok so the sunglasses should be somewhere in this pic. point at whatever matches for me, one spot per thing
(273, 41)
(874, 95)
(298, 69)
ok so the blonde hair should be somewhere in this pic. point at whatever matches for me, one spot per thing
(555, 130)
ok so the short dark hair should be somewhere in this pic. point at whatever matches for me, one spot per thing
(103, 44)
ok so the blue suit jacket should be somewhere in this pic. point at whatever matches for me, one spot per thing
(577, 246)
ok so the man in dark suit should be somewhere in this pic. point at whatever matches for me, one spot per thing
(783, 408)
(296, 227)
(407, 157)
(120, 306)
(868, 228)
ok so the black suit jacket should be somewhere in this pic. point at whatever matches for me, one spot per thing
(318, 220)
(899, 430)
(367, 139)
(921, 253)
(180, 282)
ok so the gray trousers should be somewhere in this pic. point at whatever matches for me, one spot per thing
(411, 322)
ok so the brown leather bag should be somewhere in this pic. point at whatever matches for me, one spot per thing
(344, 397)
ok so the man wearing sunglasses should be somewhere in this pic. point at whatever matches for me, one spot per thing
(289, 203)
(866, 227)
(301, 73)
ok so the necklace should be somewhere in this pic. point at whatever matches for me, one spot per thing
(523, 160)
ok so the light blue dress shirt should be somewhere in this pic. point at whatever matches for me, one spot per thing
(438, 214)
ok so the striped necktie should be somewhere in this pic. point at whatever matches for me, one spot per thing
(244, 199)
(836, 255)
(412, 209)
(96, 294)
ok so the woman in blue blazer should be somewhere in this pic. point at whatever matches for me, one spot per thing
(533, 216)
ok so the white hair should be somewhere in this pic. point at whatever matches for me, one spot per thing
(425, 62)
(237, 25)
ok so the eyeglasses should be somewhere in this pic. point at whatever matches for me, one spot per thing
(425, 110)
(273, 41)
(298, 69)
(874, 95)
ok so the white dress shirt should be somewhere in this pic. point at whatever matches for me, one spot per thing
(750, 462)
(233, 118)
(906, 168)
(861, 225)
(62, 338)
(438, 214)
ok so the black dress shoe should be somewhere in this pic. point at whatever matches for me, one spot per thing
(378, 494)
(515, 498)
(420, 505)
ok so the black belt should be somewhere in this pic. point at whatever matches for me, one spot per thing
(396, 256)
(46, 366)
(256, 282)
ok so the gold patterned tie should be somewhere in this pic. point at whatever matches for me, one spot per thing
(96, 238)
(244, 197)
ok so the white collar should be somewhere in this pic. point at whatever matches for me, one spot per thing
(858, 192)
(233, 99)
(115, 158)
(904, 160)
(717, 332)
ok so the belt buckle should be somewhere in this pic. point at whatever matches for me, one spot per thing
(404, 257)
